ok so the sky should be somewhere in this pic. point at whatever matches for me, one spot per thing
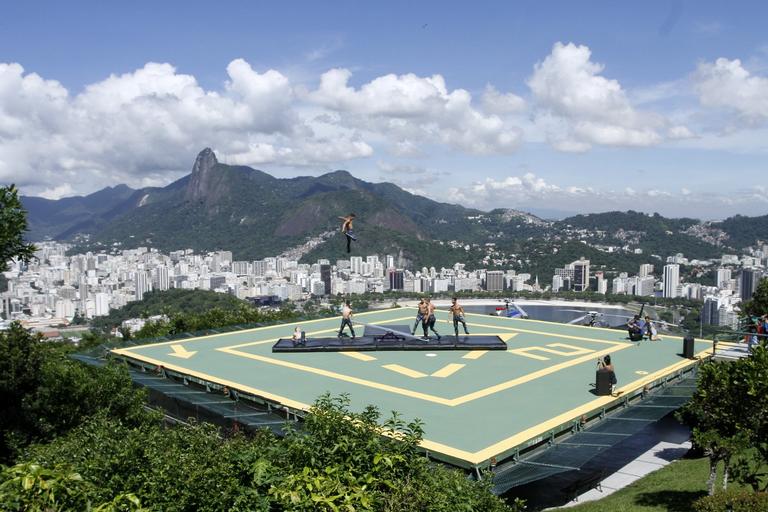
(571, 107)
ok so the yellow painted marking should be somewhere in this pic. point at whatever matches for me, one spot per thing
(339, 376)
(573, 351)
(506, 444)
(288, 402)
(448, 370)
(182, 352)
(525, 353)
(533, 375)
(359, 355)
(404, 371)
(641, 372)
(474, 354)
(555, 335)
(478, 457)
(450, 402)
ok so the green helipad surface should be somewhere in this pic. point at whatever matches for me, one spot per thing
(475, 404)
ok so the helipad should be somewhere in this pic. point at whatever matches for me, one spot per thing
(475, 405)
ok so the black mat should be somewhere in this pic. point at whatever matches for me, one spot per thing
(376, 339)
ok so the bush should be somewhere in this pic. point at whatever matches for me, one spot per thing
(734, 500)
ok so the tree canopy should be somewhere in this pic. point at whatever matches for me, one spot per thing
(13, 225)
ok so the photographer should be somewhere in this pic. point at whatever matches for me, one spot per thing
(605, 365)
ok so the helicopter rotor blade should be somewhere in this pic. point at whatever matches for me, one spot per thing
(579, 319)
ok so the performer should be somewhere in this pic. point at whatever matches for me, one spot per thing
(420, 315)
(346, 320)
(457, 312)
(346, 229)
(429, 320)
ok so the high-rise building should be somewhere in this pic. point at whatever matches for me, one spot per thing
(161, 279)
(748, 283)
(259, 267)
(581, 275)
(671, 280)
(143, 284)
(325, 277)
(494, 281)
(646, 269)
(396, 279)
(356, 264)
(723, 278)
(241, 268)
(644, 286)
(709, 313)
(101, 304)
(601, 283)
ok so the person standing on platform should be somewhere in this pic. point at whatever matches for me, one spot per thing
(457, 312)
(346, 320)
(420, 315)
(346, 229)
(429, 321)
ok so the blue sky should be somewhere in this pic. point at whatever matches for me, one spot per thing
(653, 106)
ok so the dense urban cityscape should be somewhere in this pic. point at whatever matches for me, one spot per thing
(51, 291)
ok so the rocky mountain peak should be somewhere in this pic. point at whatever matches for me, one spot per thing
(201, 177)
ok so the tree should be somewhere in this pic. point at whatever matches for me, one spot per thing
(758, 304)
(44, 393)
(13, 224)
(729, 417)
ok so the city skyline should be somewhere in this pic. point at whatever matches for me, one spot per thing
(56, 287)
(603, 107)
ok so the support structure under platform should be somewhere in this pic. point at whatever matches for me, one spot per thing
(389, 337)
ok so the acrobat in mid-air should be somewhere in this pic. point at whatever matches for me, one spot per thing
(346, 229)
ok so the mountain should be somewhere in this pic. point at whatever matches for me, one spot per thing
(60, 219)
(254, 214)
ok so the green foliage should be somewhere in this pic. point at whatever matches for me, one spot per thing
(338, 460)
(758, 304)
(188, 467)
(45, 393)
(729, 413)
(744, 231)
(179, 323)
(733, 500)
(169, 302)
(35, 488)
(13, 224)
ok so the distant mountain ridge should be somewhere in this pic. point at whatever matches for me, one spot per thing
(254, 214)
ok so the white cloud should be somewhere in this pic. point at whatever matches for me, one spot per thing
(579, 107)
(495, 102)
(144, 127)
(726, 84)
(57, 192)
(529, 191)
(409, 110)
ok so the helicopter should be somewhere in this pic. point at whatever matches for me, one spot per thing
(510, 309)
(592, 318)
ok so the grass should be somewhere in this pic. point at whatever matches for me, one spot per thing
(673, 488)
